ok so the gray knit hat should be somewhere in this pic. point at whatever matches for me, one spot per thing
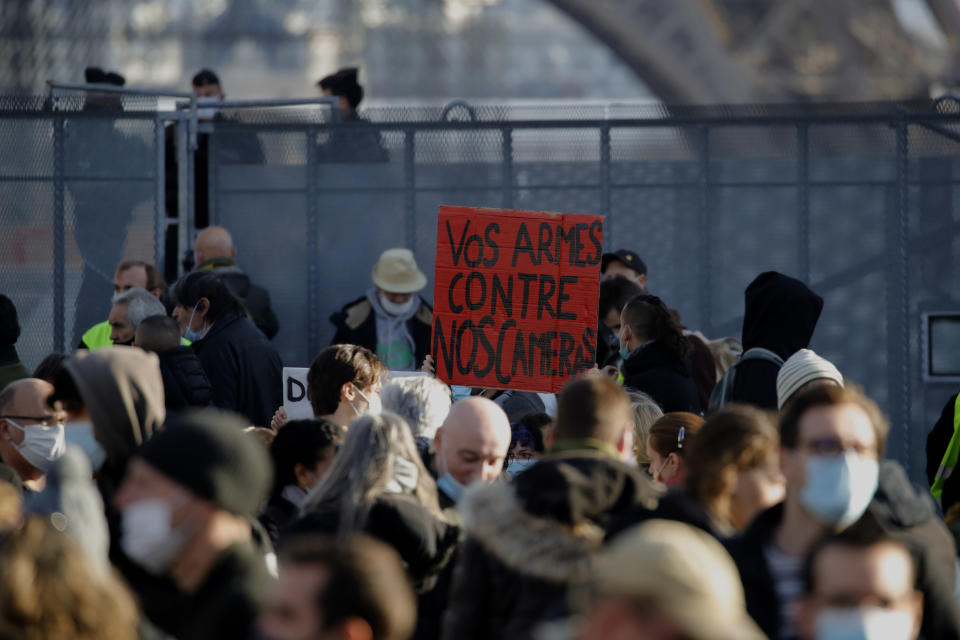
(802, 367)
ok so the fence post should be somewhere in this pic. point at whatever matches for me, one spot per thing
(506, 178)
(184, 192)
(410, 185)
(313, 249)
(59, 285)
(159, 200)
(803, 203)
(706, 301)
(898, 301)
(605, 209)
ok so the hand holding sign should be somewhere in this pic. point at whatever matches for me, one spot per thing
(515, 297)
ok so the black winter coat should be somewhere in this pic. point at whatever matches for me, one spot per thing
(780, 314)
(276, 515)
(424, 542)
(356, 323)
(185, 383)
(900, 511)
(255, 299)
(529, 542)
(676, 505)
(243, 367)
(654, 371)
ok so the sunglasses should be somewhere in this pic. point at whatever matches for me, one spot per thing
(46, 421)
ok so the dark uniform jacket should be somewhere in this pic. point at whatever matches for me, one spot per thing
(243, 367)
(255, 299)
(654, 371)
(780, 315)
(901, 512)
(11, 369)
(185, 383)
(356, 324)
(529, 542)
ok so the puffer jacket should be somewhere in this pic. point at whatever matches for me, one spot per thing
(529, 542)
(185, 383)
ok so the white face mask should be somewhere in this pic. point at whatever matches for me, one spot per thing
(393, 308)
(517, 467)
(868, 623)
(405, 477)
(41, 446)
(80, 434)
(838, 489)
(149, 538)
(374, 405)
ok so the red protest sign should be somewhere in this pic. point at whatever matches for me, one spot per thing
(515, 297)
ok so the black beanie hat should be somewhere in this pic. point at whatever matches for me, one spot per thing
(9, 324)
(207, 452)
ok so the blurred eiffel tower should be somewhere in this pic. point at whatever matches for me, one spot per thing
(735, 51)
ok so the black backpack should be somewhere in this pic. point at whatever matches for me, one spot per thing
(724, 389)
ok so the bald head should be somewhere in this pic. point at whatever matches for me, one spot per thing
(214, 242)
(473, 441)
(26, 397)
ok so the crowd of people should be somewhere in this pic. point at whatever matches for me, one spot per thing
(152, 485)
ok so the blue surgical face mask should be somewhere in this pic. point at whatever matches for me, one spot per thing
(80, 434)
(453, 489)
(839, 488)
(190, 334)
(869, 623)
(624, 350)
(519, 466)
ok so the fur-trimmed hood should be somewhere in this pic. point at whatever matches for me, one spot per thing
(549, 522)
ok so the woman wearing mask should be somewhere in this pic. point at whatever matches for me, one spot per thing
(243, 367)
(656, 355)
(526, 444)
(670, 439)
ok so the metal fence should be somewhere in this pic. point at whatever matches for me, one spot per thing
(857, 200)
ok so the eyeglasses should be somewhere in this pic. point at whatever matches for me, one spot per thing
(835, 447)
(45, 421)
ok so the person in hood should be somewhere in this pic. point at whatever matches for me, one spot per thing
(215, 251)
(243, 367)
(529, 542)
(780, 315)
(113, 398)
(656, 355)
(391, 320)
(186, 502)
(31, 433)
(185, 383)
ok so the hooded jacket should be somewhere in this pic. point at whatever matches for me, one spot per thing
(243, 367)
(901, 512)
(185, 384)
(255, 299)
(780, 315)
(668, 381)
(529, 542)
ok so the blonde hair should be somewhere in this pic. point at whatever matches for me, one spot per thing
(645, 411)
(363, 467)
(48, 589)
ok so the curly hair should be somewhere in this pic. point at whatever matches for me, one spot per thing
(650, 319)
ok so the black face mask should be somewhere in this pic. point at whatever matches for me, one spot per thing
(128, 343)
